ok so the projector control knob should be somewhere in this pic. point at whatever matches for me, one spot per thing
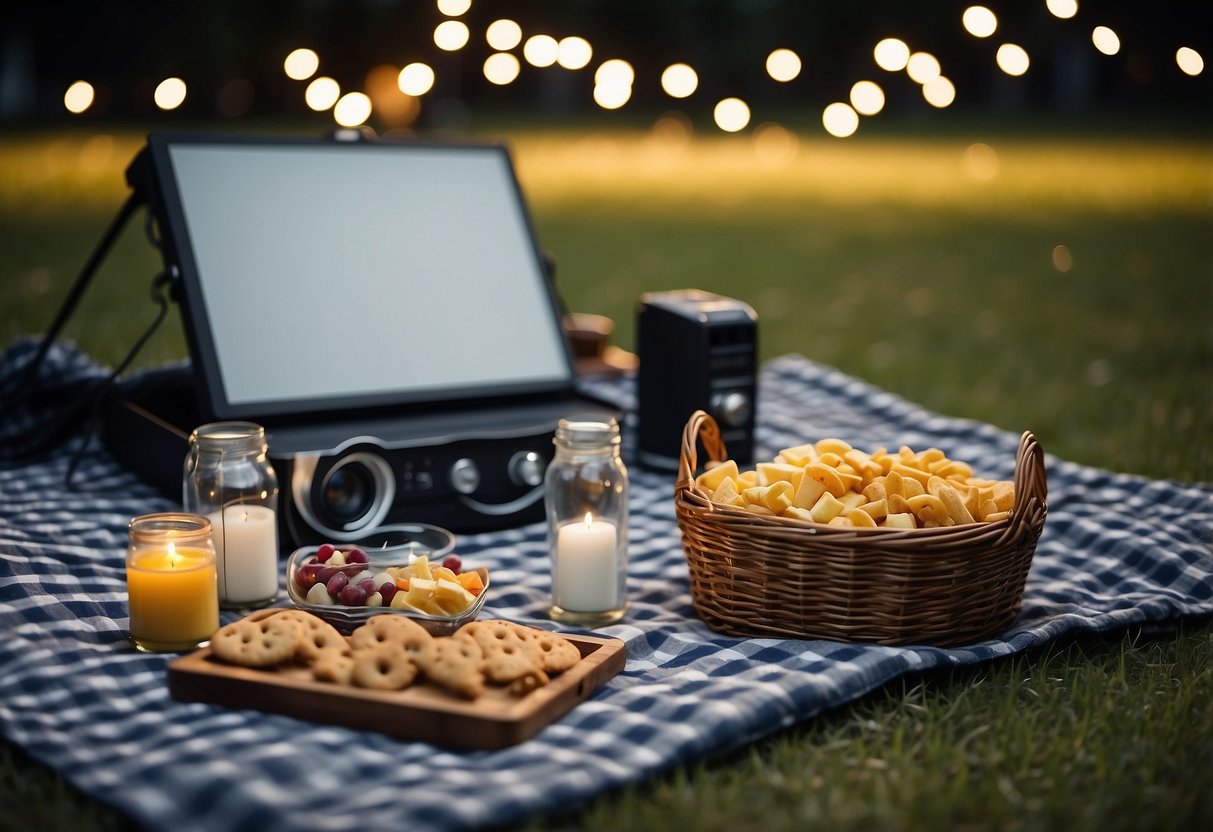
(732, 409)
(526, 468)
(465, 476)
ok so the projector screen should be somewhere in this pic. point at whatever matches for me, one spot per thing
(324, 275)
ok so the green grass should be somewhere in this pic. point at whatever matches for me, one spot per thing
(922, 264)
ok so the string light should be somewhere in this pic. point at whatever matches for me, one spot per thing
(301, 64)
(1189, 60)
(451, 35)
(923, 67)
(783, 65)
(891, 54)
(79, 97)
(454, 8)
(731, 114)
(321, 93)
(503, 35)
(540, 50)
(679, 80)
(169, 94)
(867, 98)
(979, 21)
(1012, 59)
(939, 92)
(416, 79)
(352, 109)
(1105, 40)
(574, 52)
(840, 120)
(501, 68)
(1064, 9)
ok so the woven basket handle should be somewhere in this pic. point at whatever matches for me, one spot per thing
(1031, 482)
(701, 426)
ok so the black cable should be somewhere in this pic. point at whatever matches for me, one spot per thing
(160, 294)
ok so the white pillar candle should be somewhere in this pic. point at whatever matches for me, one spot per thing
(587, 576)
(246, 553)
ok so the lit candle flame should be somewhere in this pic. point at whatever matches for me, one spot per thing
(172, 554)
(589, 519)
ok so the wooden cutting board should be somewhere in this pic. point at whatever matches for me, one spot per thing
(423, 711)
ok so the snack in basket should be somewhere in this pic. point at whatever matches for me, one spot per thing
(833, 483)
(391, 653)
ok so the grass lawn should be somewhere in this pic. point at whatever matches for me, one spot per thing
(1062, 284)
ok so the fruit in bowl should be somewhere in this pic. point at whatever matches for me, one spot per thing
(347, 577)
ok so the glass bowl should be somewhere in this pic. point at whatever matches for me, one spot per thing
(347, 618)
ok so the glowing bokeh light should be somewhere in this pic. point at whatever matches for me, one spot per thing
(979, 21)
(416, 79)
(79, 97)
(574, 52)
(611, 93)
(540, 50)
(775, 145)
(454, 8)
(392, 108)
(322, 93)
(301, 64)
(352, 109)
(783, 65)
(169, 94)
(1012, 59)
(679, 80)
(1189, 60)
(867, 98)
(451, 35)
(840, 120)
(939, 92)
(891, 54)
(501, 68)
(503, 35)
(731, 114)
(1063, 261)
(1065, 9)
(615, 70)
(923, 67)
(980, 162)
(1105, 40)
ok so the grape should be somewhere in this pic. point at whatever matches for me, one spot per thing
(368, 584)
(326, 573)
(353, 595)
(325, 552)
(306, 575)
(453, 563)
(388, 591)
(356, 554)
(338, 582)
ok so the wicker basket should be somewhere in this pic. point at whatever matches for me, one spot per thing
(754, 575)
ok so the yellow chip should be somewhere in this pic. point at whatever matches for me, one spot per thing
(899, 521)
(772, 472)
(711, 479)
(826, 508)
(827, 476)
(800, 455)
(878, 510)
(861, 519)
(908, 472)
(776, 496)
(832, 445)
(798, 513)
(727, 494)
(748, 479)
(875, 490)
(808, 492)
(955, 506)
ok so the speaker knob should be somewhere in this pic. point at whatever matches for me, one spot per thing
(526, 468)
(733, 409)
(465, 476)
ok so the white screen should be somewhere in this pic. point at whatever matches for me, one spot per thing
(347, 271)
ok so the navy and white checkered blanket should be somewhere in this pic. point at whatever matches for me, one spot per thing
(1117, 550)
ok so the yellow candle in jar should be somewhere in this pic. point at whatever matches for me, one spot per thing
(173, 598)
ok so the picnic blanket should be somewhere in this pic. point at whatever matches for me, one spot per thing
(1116, 551)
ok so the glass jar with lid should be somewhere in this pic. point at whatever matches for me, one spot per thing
(229, 480)
(586, 500)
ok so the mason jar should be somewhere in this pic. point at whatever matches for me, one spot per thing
(586, 500)
(170, 582)
(229, 480)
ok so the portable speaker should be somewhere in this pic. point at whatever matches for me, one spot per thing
(698, 351)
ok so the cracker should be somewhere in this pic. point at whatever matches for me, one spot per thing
(333, 666)
(317, 637)
(388, 627)
(509, 652)
(454, 664)
(558, 653)
(264, 643)
(384, 667)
